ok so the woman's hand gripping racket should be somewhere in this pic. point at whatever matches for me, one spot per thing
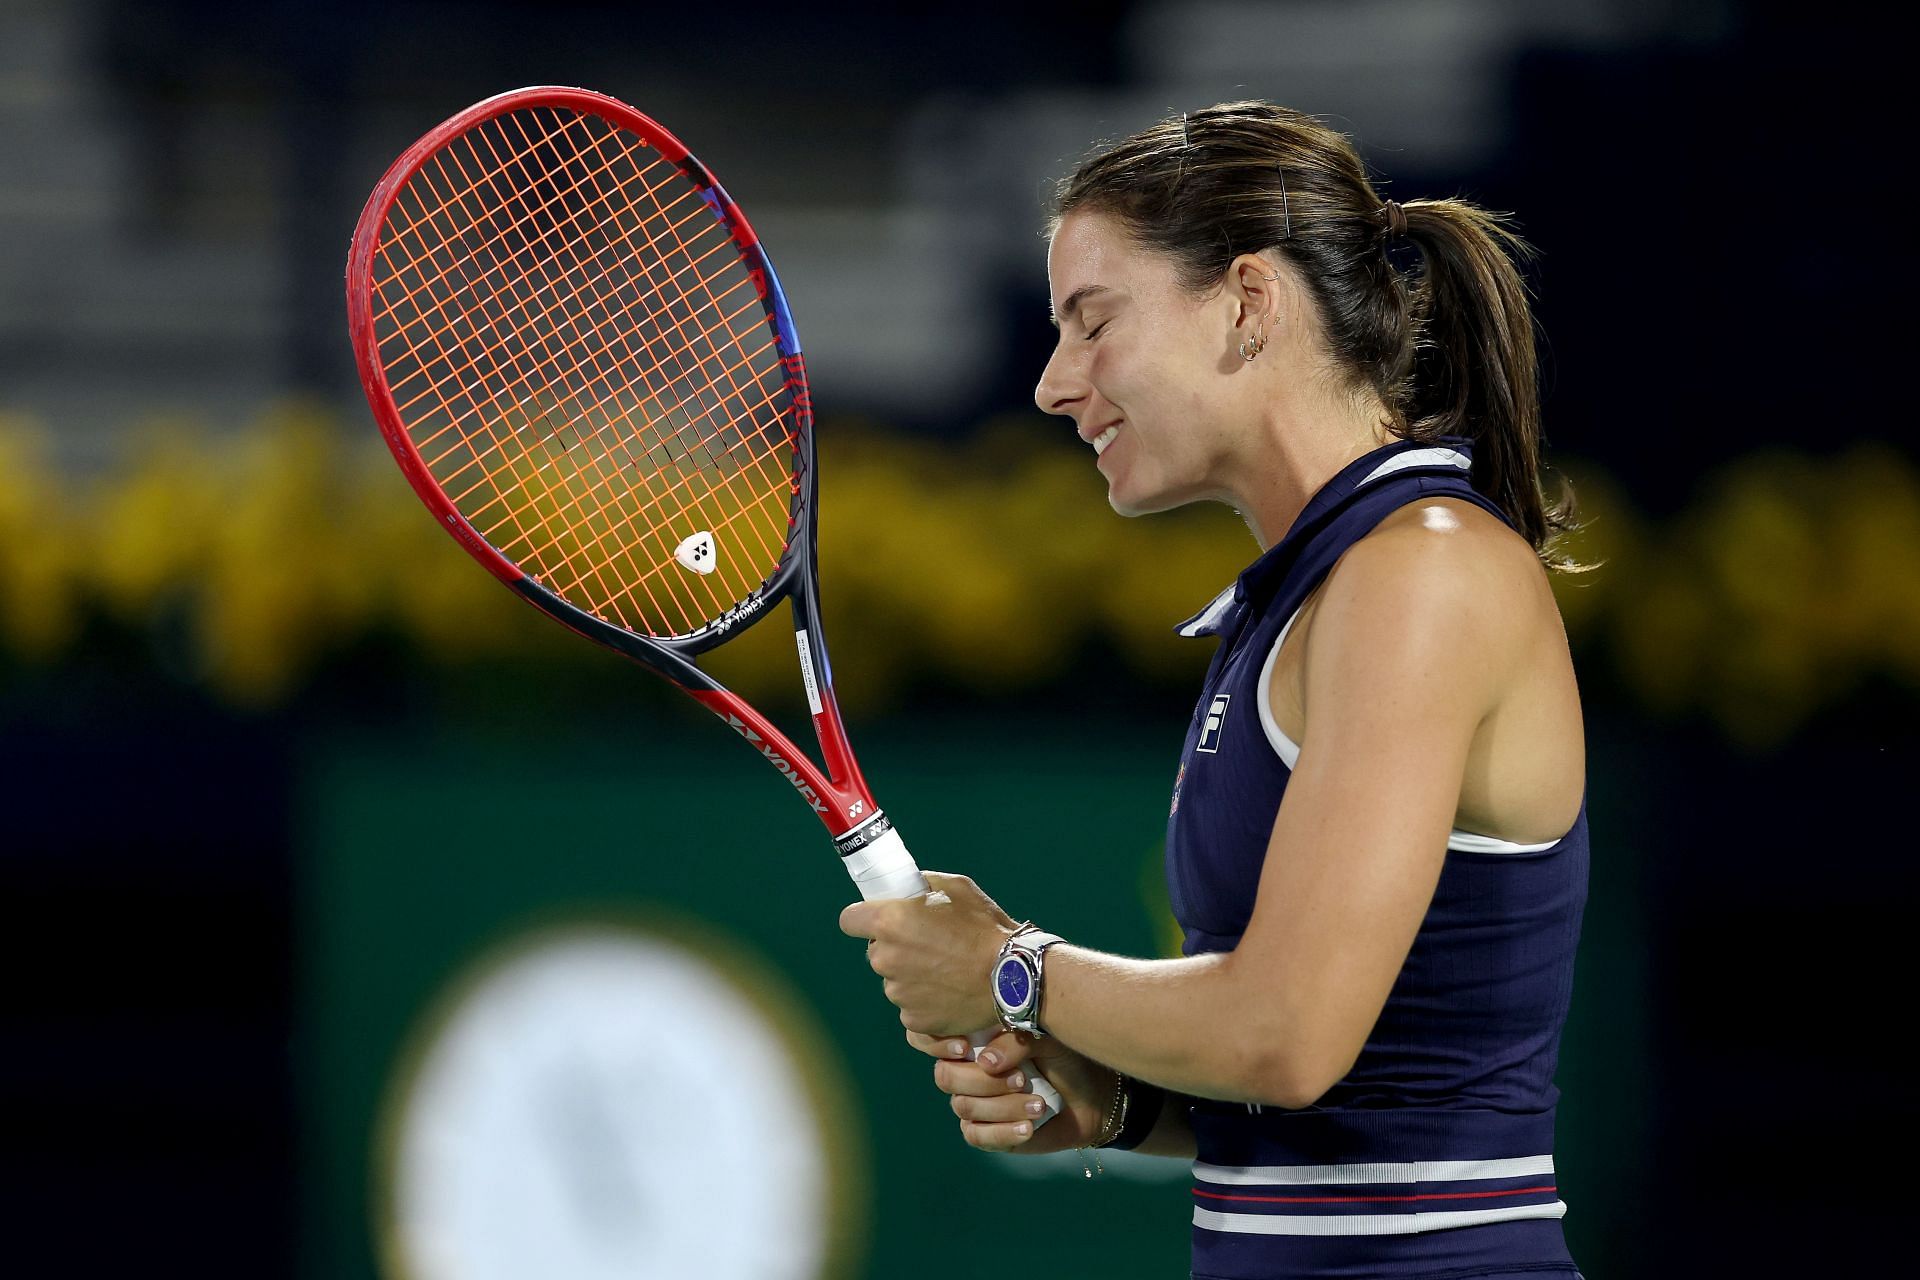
(580, 354)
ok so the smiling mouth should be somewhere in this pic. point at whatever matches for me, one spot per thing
(1105, 438)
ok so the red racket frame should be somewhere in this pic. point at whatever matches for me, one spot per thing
(838, 794)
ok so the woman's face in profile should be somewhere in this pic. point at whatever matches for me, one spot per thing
(1141, 366)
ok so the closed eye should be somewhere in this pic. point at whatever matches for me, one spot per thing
(1095, 331)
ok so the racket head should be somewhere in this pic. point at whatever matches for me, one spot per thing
(581, 357)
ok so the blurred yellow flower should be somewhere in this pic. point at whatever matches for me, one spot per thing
(989, 567)
(40, 559)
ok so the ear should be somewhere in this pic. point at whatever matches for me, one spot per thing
(1259, 287)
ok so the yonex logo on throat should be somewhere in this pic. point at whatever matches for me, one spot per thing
(778, 761)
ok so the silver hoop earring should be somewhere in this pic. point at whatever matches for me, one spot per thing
(1251, 347)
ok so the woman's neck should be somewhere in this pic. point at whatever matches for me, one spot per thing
(1295, 460)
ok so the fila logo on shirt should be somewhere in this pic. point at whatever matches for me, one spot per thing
(1216, 720)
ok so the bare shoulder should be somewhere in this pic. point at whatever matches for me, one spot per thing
(1458, 546)
(1440, 629)
(1453, 526)
(1442, 570)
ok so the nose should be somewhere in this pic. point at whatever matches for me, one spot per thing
(1060, 387)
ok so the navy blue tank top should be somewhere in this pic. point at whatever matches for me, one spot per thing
(1434, 1156)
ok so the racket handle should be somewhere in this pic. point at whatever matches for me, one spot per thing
(883, 868)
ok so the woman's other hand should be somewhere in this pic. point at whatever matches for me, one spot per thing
(990, 1095)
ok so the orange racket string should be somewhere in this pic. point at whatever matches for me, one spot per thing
(685, 482)
(712, 380)
(588, 175)
(580, 528)
(470, 489)
(571, 370)
(579, 520)
(568, 350)
(673, 177)
(691, 197)
(503, 347)
(672, 490)
(600, 557)
(781, 491)
(526, 303)
(433, 334)
(455, 200)
(558, 245)
(726, 371)
(472, 364)
(723, 242)
(731, 477)
(738, 471)
(662, 568)
(706, 284)
(571, 425)
(698, 210)
(546, 364)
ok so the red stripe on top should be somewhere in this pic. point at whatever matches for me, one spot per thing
(1460, 1195)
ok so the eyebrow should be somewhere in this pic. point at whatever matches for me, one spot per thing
(1072, 304)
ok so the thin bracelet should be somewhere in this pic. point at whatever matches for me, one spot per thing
(1144, 1105)
(1115, 1122)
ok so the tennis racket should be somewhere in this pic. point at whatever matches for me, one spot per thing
(579, 352)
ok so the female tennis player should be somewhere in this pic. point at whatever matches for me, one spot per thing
(1378, 842)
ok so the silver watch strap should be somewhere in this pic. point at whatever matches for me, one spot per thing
(1031, 943)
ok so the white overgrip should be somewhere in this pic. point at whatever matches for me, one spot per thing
(883, 869)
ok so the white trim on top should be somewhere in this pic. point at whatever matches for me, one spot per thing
(1289, 752)
(1435, 457)
(1367, 1224)
(1361, 1173)
(1208, 616)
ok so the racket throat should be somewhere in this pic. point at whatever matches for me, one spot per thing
(786, 768)
(841, 807)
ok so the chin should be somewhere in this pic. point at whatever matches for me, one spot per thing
(1125, 508)
(1128, 503)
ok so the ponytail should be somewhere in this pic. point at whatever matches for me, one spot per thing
(1475, 369)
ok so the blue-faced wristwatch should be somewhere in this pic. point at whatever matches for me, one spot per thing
(1017, 982)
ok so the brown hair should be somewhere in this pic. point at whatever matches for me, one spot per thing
(1450, 352)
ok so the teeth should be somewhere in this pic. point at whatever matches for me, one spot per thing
(1105, 438)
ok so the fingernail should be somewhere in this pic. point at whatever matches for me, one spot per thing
(957, 1049)
(1023, 1128)
(990, 1060)
(1018, 1080)
(1035, 1107)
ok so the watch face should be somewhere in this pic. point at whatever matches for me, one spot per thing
(1014, 984)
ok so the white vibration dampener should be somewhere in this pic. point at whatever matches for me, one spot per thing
(695, 552)
(883, 869)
